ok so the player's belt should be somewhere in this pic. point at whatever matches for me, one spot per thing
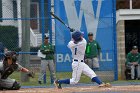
(77, 60)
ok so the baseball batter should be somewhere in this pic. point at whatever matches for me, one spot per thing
(78, 46)
(7, 67)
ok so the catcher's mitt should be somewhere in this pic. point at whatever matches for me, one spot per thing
(31, 74)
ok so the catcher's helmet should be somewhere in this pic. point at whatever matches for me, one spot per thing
(11, 54)
(76, 35)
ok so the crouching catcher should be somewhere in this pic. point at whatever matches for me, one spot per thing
(7, 67)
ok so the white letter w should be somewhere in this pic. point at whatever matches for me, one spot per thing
(86, 9)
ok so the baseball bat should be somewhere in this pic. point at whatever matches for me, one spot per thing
(71, 29)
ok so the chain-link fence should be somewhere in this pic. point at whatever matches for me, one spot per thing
(23, 24)
(12, 19)
(12, 24)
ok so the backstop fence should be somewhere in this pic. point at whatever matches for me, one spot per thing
(97, 16)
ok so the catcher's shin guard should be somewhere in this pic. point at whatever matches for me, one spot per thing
(1, 88)
(16, 86)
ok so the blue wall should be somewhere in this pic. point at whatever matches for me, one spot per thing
(90, 16)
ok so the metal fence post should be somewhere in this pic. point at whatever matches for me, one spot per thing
(50, 21)
(115, 42)
(42, 20)
(25, 13)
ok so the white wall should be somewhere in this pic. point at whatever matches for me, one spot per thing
(7, 8)
(19, 22)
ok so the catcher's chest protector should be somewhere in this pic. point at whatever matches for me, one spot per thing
(8, 71)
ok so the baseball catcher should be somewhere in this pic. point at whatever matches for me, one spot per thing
(7, 67)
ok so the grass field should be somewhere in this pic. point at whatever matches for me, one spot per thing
(85, 86)
(34, 81)
(62, 75)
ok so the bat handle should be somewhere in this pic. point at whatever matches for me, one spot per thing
(71, 29)
(68, 27)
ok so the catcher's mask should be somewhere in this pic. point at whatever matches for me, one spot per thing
(11, 55)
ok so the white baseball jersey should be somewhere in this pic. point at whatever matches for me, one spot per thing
(78, 66)
(78, 50)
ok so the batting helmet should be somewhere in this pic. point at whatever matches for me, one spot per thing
(76, 35)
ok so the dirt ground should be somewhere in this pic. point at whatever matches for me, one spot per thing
(81, 89)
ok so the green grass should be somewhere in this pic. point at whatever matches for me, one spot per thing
(60, 75)
(34, 81)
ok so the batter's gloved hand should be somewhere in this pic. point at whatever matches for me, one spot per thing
(31, 74)
(72, 30)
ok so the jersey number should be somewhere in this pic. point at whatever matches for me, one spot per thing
(75, 51)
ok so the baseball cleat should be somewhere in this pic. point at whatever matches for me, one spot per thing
(57, 84)
(105, 85)
(108, 85)
(102, 85)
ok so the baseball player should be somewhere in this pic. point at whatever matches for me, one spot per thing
(7, 67)
(48, 50)
(133, 62)
(92, 52)
(78, 46)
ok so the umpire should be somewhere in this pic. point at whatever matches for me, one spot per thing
(47, 49)
(92, 52)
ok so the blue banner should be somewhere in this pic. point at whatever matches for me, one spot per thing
(88, 16)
